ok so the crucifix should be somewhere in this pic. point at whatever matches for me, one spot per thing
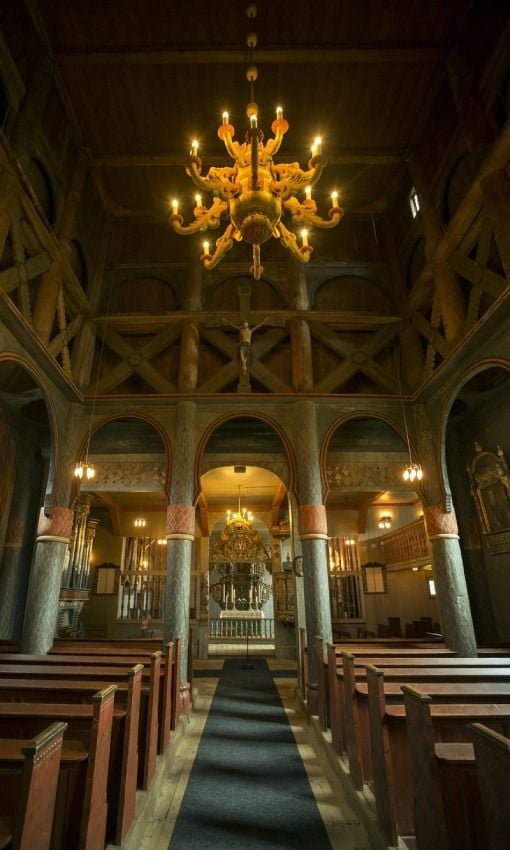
(245, 333)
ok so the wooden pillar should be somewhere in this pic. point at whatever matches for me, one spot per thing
(193, 295)
(452, 595)
(82, 356)
(30, 112)
(51, 282)
(298, 285)
(53, 535)
(448, 288)
(301, 354)
(496, 189)
(180, 535)
(313, 534)
(7, 198)
(470, 108)
(189, 357)
(412, 359)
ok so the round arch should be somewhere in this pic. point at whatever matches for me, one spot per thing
(39, 379)
(165, 440)
(346, 417)
(213, 426)
(465, 377)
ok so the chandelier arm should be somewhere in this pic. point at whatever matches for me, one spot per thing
(304, 217)
(279, 128)
(216, 180)
(291, 177)
(223, 244)
(289, 241)
(226, 132)
(206, 219)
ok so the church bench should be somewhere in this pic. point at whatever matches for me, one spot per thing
(492, 756)
(353, 725)
(25, 719)
(46, 689)
(332, 673)
(447, 802)
(31, 826)
(395, 649)
(81, 804)
(342, 691)
(166, 691)
(134, 646)
(389, 749)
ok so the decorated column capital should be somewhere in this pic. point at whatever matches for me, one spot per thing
(440, 524)
(312, 522)
(180, 522)
(57, 527)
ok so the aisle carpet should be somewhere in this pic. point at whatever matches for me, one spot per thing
(248, 789)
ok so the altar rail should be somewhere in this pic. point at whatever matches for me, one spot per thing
(239, 628)
(141, 595)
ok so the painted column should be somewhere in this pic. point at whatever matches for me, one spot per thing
(313, 533)
(180, 534)
(41, 612)
(452, 595)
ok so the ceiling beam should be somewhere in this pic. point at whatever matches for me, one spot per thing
(403, 54)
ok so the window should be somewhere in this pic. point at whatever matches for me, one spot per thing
(414, 202)
(431, 584)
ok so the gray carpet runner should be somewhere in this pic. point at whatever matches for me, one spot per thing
(248, 788)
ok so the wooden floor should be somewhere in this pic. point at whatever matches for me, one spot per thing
(153, 830)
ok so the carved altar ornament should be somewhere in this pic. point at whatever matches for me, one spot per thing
(58, 526)
(312, 522)
(439, 523)
(180, 522)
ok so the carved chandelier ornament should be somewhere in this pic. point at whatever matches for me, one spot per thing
(255, 192)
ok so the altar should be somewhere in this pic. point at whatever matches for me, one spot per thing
(234, 614)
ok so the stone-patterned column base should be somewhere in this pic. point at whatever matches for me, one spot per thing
(178, 581)
(41, 610)
(317, 608)
(451, 588)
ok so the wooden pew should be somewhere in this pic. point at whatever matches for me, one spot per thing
(127, 645)
(447, 803)
(492, 756)
(390, 756)
(85, 659)
(33, 822)
(24, 719)
(81, 804)
(45, 689)
(353, 725)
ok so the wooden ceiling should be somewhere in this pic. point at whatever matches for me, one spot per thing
(144, 77)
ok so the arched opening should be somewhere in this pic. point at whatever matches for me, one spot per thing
(476, 453)
(118, 550)
(26, 465)
(247, 586)
(379, 559)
